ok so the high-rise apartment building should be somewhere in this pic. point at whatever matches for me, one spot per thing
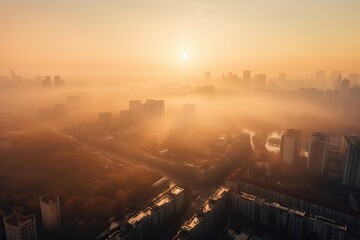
(318, 150)
(246, 78)
(260, 80)
(350, 155)
(323, 228)
(19, 227)
(337, 83)
(290, 146)
(136, 111)
(50, 211)
(282, 78)
(153, 109)
(46, 82)
(344, 87)
(335, 78)
(58, 82)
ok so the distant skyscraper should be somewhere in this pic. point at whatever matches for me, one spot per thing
(19, 227)
(344, 88)
(350, 155)
(282, 77)
(50, 211)
(11, 75)
(318, 150)
(231, 78)
(290, 146)
(246, 78)
(207, 76)
(39, 78)
(46, 83)
(105, 118)
(260, 80)
(334, 76)
(135, 105)
(136, 112)
(14, 78)
(337, 82)
(354, 79)
(153, 109)
(58, 82)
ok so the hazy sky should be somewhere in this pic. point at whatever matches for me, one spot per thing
(152, 35)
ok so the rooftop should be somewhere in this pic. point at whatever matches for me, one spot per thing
(292, 132)
(49, 198)
(182, 235)
(329, 222)
(140, 216)
(16, 219)
(353, 139)
(207, 207)
(278, 206)
(247, 196)
(295, 194)
(177, 190)
(297, 212)
(163, 200)
(193, 222)
(219, 193)
(320, 136)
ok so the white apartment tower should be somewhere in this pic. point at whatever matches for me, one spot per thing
(19, 227)
(50, 211)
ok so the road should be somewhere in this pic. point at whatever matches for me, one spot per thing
(203, 191)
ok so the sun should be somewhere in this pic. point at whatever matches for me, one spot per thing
(184, 56)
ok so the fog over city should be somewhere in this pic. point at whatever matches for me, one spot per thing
(180, 120)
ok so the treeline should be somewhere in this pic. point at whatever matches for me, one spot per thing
(91, 189)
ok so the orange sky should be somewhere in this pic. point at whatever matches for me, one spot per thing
(151, 35)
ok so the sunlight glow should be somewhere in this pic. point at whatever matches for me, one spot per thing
(184, 56)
